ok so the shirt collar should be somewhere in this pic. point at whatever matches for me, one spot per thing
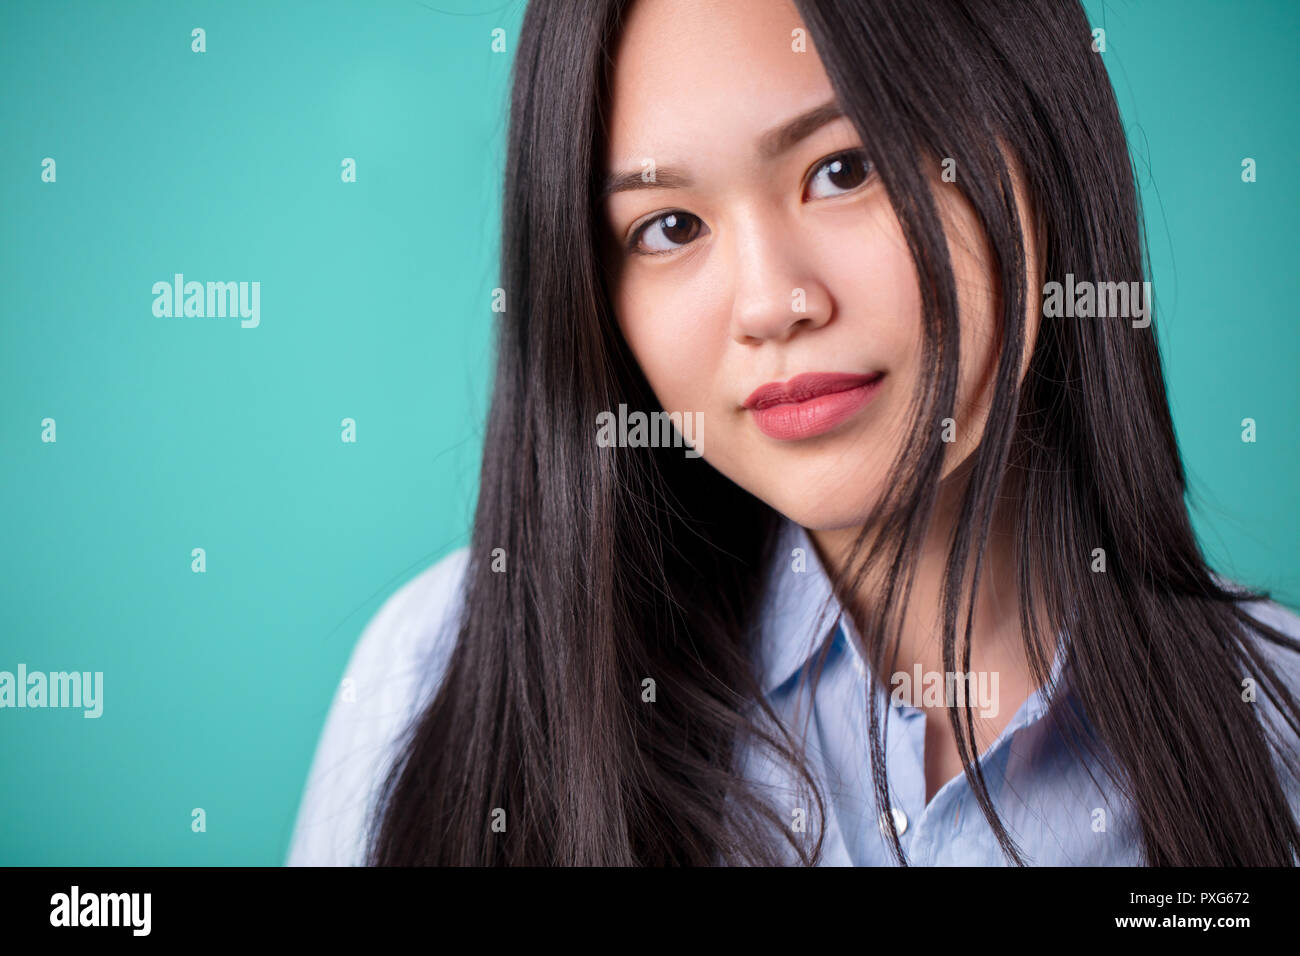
(799, 609)
(800, 612)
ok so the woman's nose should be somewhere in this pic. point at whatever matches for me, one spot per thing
(776, 292)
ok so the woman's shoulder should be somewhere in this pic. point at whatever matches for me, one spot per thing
(394, 669)
(1285, 661)
(414, 628)
(1279, 617)
(1271, 613)
(1282, 618)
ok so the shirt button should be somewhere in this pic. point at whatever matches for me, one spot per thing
(900, 821)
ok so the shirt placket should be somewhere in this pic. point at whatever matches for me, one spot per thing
(929, 833)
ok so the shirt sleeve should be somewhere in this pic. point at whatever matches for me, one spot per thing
(396, 666)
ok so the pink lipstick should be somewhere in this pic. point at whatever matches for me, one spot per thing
(810, 404)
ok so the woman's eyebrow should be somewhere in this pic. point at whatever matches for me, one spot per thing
(771, 144)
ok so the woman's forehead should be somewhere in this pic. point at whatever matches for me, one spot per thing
(685, 71)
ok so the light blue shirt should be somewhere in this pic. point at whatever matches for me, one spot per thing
(1053, 808)
(1058, 811)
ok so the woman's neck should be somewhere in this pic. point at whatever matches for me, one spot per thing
(996, 640)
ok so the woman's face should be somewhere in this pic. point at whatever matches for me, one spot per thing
(765, 249)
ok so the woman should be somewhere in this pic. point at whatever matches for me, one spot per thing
(922, 586)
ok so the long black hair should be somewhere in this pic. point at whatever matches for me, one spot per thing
(624, 565)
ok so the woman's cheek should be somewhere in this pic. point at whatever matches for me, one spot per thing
(674, 363)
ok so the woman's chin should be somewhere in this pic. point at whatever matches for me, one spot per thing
(829, 516)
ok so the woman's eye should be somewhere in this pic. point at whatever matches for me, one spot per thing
(843, 171)
(673, 229)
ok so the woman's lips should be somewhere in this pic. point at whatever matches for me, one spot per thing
(810, 404)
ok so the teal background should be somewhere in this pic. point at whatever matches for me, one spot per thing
(175, 434)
